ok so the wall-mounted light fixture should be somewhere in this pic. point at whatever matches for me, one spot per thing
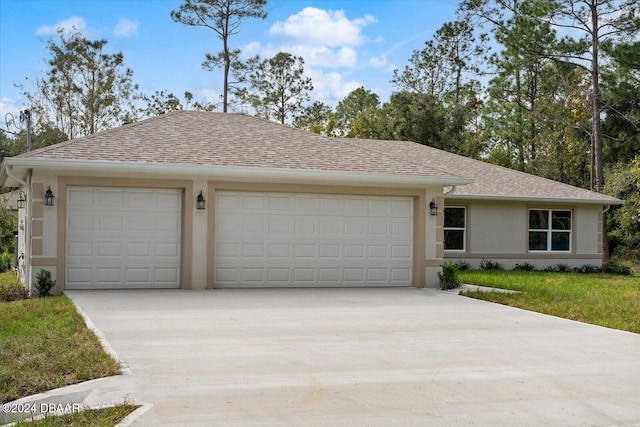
(201, 203)
(22, 200)
(433, 208)
(48, 197)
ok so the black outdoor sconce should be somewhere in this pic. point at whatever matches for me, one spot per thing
(433, 208)
(201, 203)
(48, 197)
(22, 200)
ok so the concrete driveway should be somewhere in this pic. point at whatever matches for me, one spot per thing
(355, 357)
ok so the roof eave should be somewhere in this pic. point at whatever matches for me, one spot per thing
(556, 200)
(279, 175)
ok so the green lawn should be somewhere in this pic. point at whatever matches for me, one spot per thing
(44, 344)
(103, 417)
(599, 299)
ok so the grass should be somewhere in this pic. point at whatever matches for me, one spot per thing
(599, 299)
(103, 417)
(44, 344)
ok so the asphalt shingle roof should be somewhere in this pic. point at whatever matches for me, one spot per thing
(490, 181)
(219, 139)
(192, 138)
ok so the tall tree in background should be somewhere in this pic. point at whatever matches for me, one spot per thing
(160, 102)
(621, 96)
(317, 118)
(278, 88)
(441, 74)
(85, 89)
(224, 18)
(439, 68)
(355, 103)
(596, 22)
(516, 93)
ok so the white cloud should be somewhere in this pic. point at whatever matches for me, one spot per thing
(322, 28)
(75, 23)
(328, 42)
(379, 61)
(8, 105)
(330, 87)
(126, 28)
(210, 95)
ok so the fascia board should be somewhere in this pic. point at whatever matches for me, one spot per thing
(240, 173)
(531, 199)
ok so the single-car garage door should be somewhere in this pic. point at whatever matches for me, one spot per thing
(312, 240)
(122, 238)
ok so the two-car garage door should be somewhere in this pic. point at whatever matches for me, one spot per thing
(312, 240)
(131, 237)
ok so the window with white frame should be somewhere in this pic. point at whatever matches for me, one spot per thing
(455, 221)
(550, 230)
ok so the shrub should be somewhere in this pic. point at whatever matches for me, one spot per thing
(44, 283)
(6, 262)
(13, 292)
(462, 266)
(486, 264)
(449, 277)
(525, 267)
(614, 267)
(588, 268)
(562, 268)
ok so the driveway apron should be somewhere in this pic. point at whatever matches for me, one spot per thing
(359, 357)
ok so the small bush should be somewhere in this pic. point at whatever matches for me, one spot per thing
(462, 266)
(525, 267)
(562, 268)
(449, 277)
(43, 283)
(614, 267)
(6, 262)
(13, 292)
(588, 268)
(486, 264)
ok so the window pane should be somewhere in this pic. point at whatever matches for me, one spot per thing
(538, 219)
(560, 241)
(537, 241)
(454, 217)
(561, 220)
(454, 240)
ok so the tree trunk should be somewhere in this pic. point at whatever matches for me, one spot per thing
(597, 128)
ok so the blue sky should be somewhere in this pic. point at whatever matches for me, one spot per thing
(346, 44)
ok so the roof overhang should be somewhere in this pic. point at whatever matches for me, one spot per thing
(547, 200)
(19, 168)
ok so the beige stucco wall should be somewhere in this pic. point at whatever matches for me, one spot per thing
(498, 231)
(49, 222)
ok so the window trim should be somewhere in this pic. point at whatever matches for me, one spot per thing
(463, 229)
(550, 230)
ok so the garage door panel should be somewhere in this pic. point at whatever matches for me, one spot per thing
(77, 222)
(122, 238)
(109, 249)
(167, 249)
(321, 240)
(401, 252)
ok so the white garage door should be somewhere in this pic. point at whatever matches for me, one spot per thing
(122, 238)
(312, 240)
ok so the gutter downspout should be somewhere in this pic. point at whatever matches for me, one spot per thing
(27, 227)
(453, 190)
